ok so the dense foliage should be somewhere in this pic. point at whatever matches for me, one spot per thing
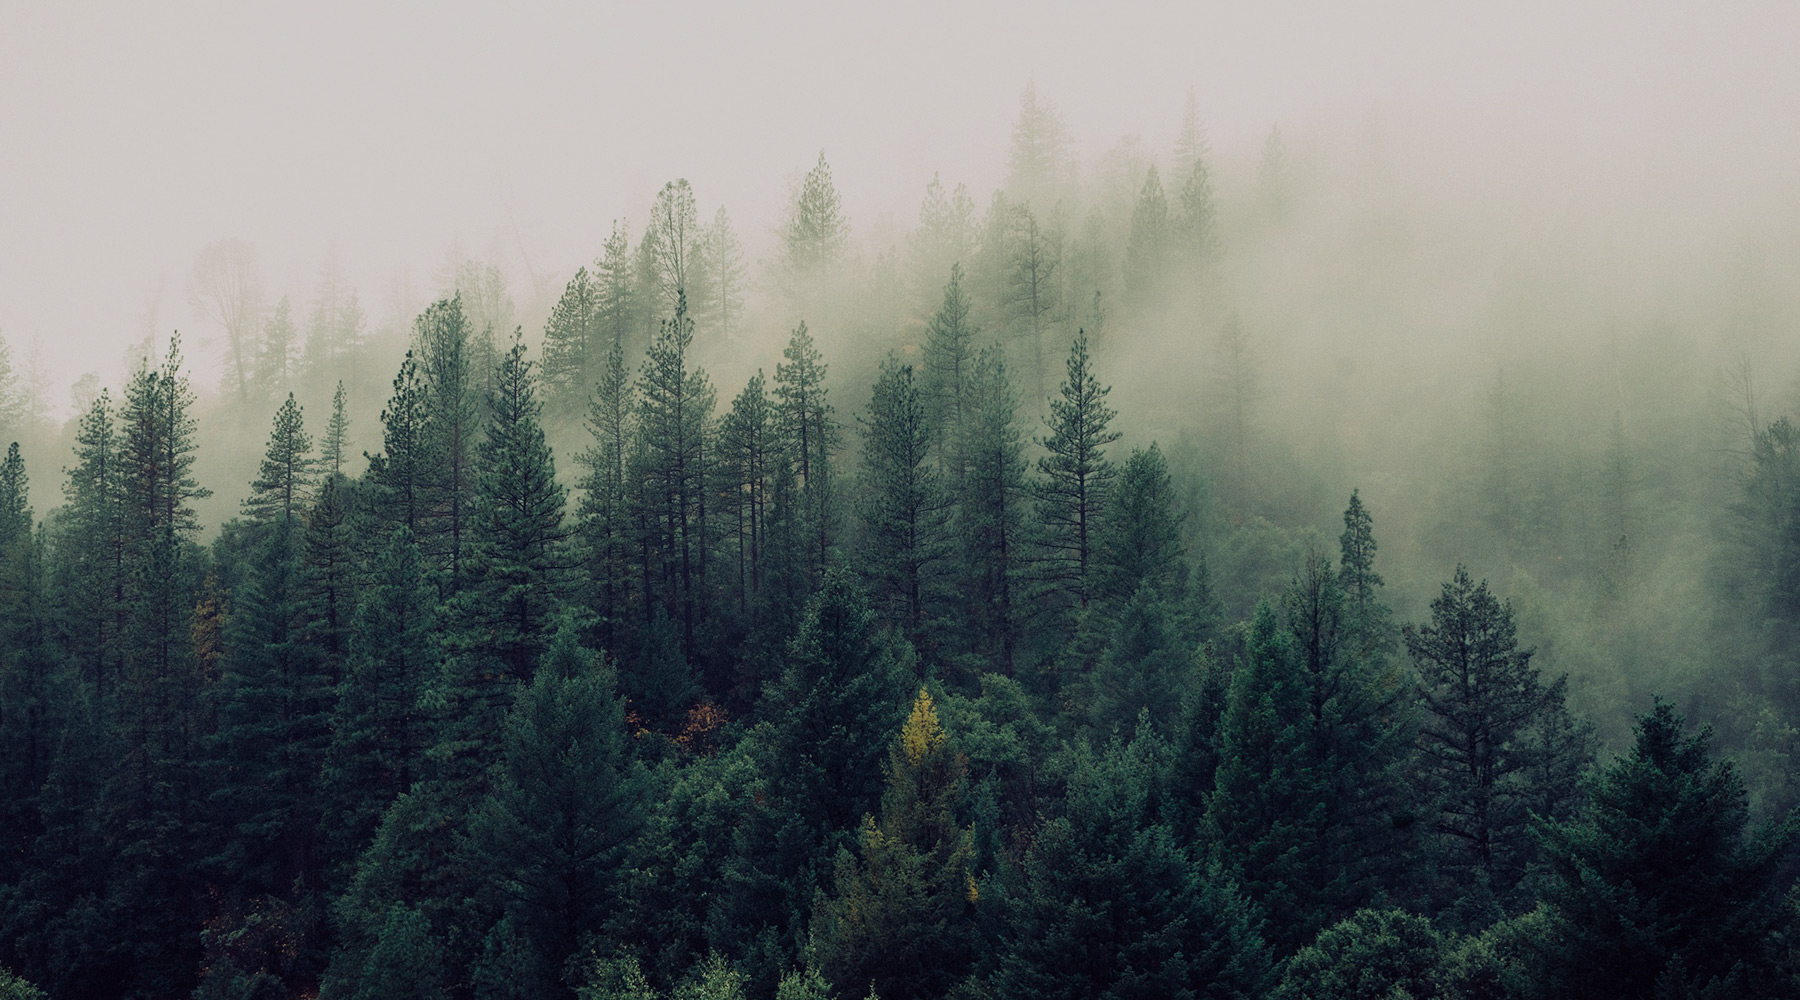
(969, 692)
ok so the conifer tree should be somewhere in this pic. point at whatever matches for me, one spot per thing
(1147, 251)
(284, 486)
(902, 917)
(816, 235)
(805, 413)
(1196, 227)
(675, 404)
(991, 510)
(949, 374)
(273, 701)
(904, 504)
(334, 446)
(946, 235)
(1481, 696)
(1139, 542)
(723, 259)
(1032, 293)
(449, 366)
(1071, 495)
(675, 240)
(518, 564)
(1658, 890)
(619, 313)
(1104, 903)
(550, 839)
(571, 341)
(90, 574)
(331, 570)
(396, 477)
(378, 731)
(748, 454)
(605, 518)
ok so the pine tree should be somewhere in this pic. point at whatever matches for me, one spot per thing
(748, 453)
(904, 504)
(945, 237)
(331, 571)
(285, 485)
(1481, 696)
(517, 564)
(675, 239)
(949, 370)
(1071, 500)
(816, 236)
(452, 379)
(334, 446)
(805, 414)
(840, 698)
(273, 701)
(550, 839)
(1139, 542)
(1034, 256)
(1039, 161)
(991, 511)
(397, 476)
(723, 257)
(1196, 227)
(91, 548)
(619, 312)
(378, 730)
(1103, 902)
(571, 337)
(1657, 890)
(279, 350)
(605, 518)
(902, 917)
(675, 415)
(1147, 251)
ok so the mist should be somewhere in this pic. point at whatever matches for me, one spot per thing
(1517, 285)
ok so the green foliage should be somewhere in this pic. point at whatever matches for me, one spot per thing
(285, 485)
(902, 916)
(1105, 903)
(904, 503)
(13, 987)
(1371, 955)
(1076, 476)
(1657, 889)
(1481, 697)
(549, 841)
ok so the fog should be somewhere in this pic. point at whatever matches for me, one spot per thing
(387, 133)
(1113, 418)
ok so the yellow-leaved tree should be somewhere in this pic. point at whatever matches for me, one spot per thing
(902, 916)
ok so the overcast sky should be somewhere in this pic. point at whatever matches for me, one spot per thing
(133, 134)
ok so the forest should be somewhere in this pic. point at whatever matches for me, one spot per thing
(1166, 579)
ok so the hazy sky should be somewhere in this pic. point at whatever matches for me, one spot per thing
(133, 134)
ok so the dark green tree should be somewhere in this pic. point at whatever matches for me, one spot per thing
(1481, 697)
(904, 504)
(604, 516)
(379, 732)
(518, 563)
(452, 379)
(396, 478)
(1139, 542)
(1075, 477)
(550, 839)
(284, 487)
(1104, 902)
(805, 413)
(1658, 890)
(991, 512)
(949, 374)
(571, 342)
(335, 444)
(675, 404)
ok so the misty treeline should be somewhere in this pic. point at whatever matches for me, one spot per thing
(911, 664)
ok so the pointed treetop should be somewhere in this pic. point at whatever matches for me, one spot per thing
(922, 735)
